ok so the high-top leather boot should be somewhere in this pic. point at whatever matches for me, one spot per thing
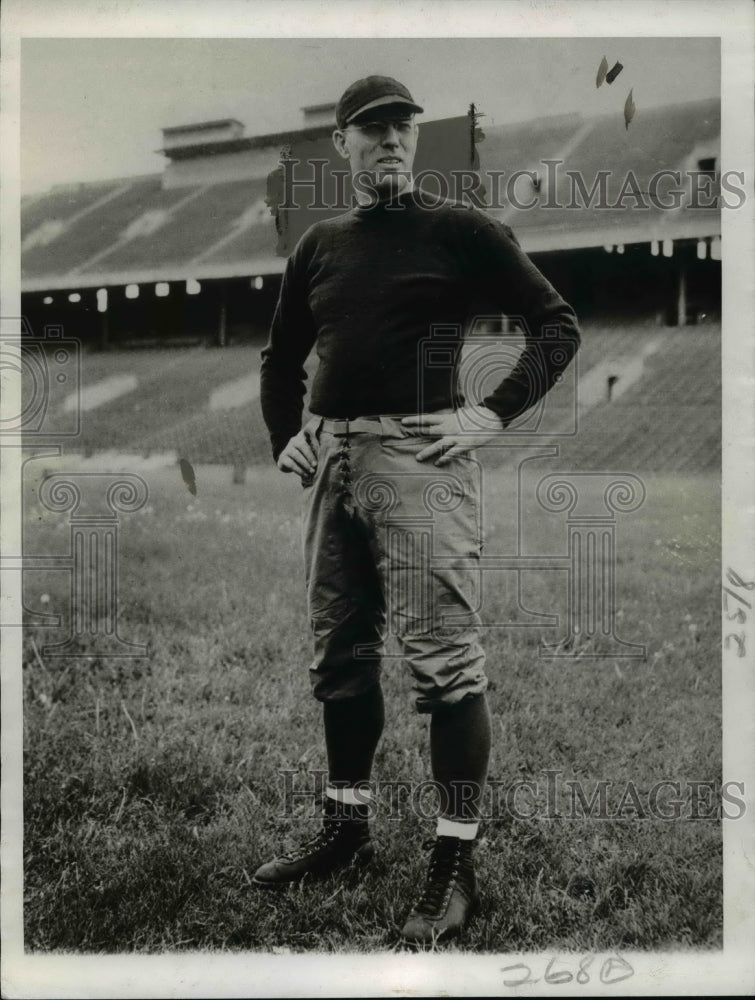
(449, 897)
(344, 840)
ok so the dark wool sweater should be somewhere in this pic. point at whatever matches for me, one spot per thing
(366, 290)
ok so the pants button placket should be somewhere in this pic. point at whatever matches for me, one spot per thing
(345, 467)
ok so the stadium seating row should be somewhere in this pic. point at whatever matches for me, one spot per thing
(669, 419)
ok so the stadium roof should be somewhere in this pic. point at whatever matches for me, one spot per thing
(139, 229)
(683, 138)
(201, 126)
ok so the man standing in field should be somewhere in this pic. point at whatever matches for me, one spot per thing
(391, 443)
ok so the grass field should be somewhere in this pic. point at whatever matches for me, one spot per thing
(153, 785)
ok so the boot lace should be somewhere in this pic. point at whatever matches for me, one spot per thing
(448, 860)
(321, 841)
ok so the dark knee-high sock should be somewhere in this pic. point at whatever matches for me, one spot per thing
(460, 752)
(352, 730)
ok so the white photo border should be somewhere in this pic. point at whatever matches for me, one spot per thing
(731, 970)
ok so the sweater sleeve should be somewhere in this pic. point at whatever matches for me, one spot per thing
(282, 375)
(503, 273)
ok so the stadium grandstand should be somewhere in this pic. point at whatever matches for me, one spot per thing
(624, 220)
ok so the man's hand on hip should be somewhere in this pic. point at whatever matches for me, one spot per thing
(458, 432)
(300, 454)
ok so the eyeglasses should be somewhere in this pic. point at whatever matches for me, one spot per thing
(377, 129)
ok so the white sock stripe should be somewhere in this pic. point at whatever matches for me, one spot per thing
(456, 828)
(350, 796)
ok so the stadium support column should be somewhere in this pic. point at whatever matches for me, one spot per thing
(681, 293)
(104, 330)
(223, 316)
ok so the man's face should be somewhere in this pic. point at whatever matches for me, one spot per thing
(381, 151)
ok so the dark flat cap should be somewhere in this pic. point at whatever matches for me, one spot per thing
(366, 95)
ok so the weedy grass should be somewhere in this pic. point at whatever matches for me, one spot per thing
(153, 786)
